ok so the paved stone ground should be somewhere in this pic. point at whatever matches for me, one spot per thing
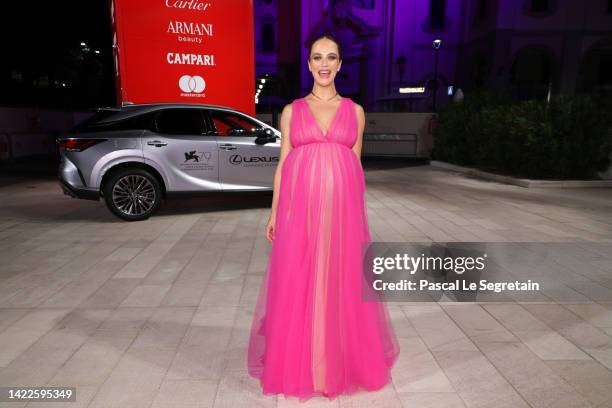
(157, 313)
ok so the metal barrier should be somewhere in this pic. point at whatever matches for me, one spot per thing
(5, 147)
(390, 144)
(17, 145)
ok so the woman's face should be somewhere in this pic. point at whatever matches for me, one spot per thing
(324, 61)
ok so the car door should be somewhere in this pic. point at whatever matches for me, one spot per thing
(179, 145)
(243, 164)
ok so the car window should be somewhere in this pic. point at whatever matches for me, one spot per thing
(231, 124)
(180, 122)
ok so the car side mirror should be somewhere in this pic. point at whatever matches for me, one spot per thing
(264, 135)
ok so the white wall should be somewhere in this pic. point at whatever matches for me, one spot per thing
(390, 123)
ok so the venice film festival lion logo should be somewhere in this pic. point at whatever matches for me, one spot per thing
(192, 84)
(197, 158)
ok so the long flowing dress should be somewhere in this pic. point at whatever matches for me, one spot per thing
(312, 334)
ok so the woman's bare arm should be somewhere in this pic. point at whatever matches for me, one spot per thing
(284, 151)
(361, 126)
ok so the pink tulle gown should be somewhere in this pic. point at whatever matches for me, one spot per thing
(312, 334)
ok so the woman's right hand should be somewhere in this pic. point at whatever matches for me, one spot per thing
(270, 227)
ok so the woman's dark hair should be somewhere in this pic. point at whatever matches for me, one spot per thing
(329, 37)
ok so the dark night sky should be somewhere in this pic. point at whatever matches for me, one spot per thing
(42, 38)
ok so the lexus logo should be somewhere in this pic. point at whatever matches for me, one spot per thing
(192, 84)
(238, 159)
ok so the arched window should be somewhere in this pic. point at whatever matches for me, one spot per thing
(539, 6)
(479, 71)
(531, 73)
(267, 37)
(482, 9)
(437, 14)
(595, 74)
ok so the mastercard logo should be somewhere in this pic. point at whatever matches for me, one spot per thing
(192, 84)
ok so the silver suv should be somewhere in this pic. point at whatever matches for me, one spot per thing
(136, 155)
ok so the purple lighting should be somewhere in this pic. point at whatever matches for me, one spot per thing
(518, 47)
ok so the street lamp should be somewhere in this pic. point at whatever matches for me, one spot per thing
(436, 45)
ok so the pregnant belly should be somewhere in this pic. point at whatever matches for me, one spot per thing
(331, 165)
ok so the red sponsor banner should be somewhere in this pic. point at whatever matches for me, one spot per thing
(188, 51)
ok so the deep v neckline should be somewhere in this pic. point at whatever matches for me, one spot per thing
(331, 124)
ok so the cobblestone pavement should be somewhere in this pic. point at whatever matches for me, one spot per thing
(157, 313)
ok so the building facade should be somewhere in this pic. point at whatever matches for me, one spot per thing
(525, 47)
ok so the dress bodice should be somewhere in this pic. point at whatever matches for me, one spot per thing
(304, 129)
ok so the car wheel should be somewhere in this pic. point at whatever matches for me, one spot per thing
(132, 194)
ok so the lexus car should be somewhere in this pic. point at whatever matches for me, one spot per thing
(136, 155)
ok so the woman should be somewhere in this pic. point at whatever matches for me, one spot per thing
(311, 332)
